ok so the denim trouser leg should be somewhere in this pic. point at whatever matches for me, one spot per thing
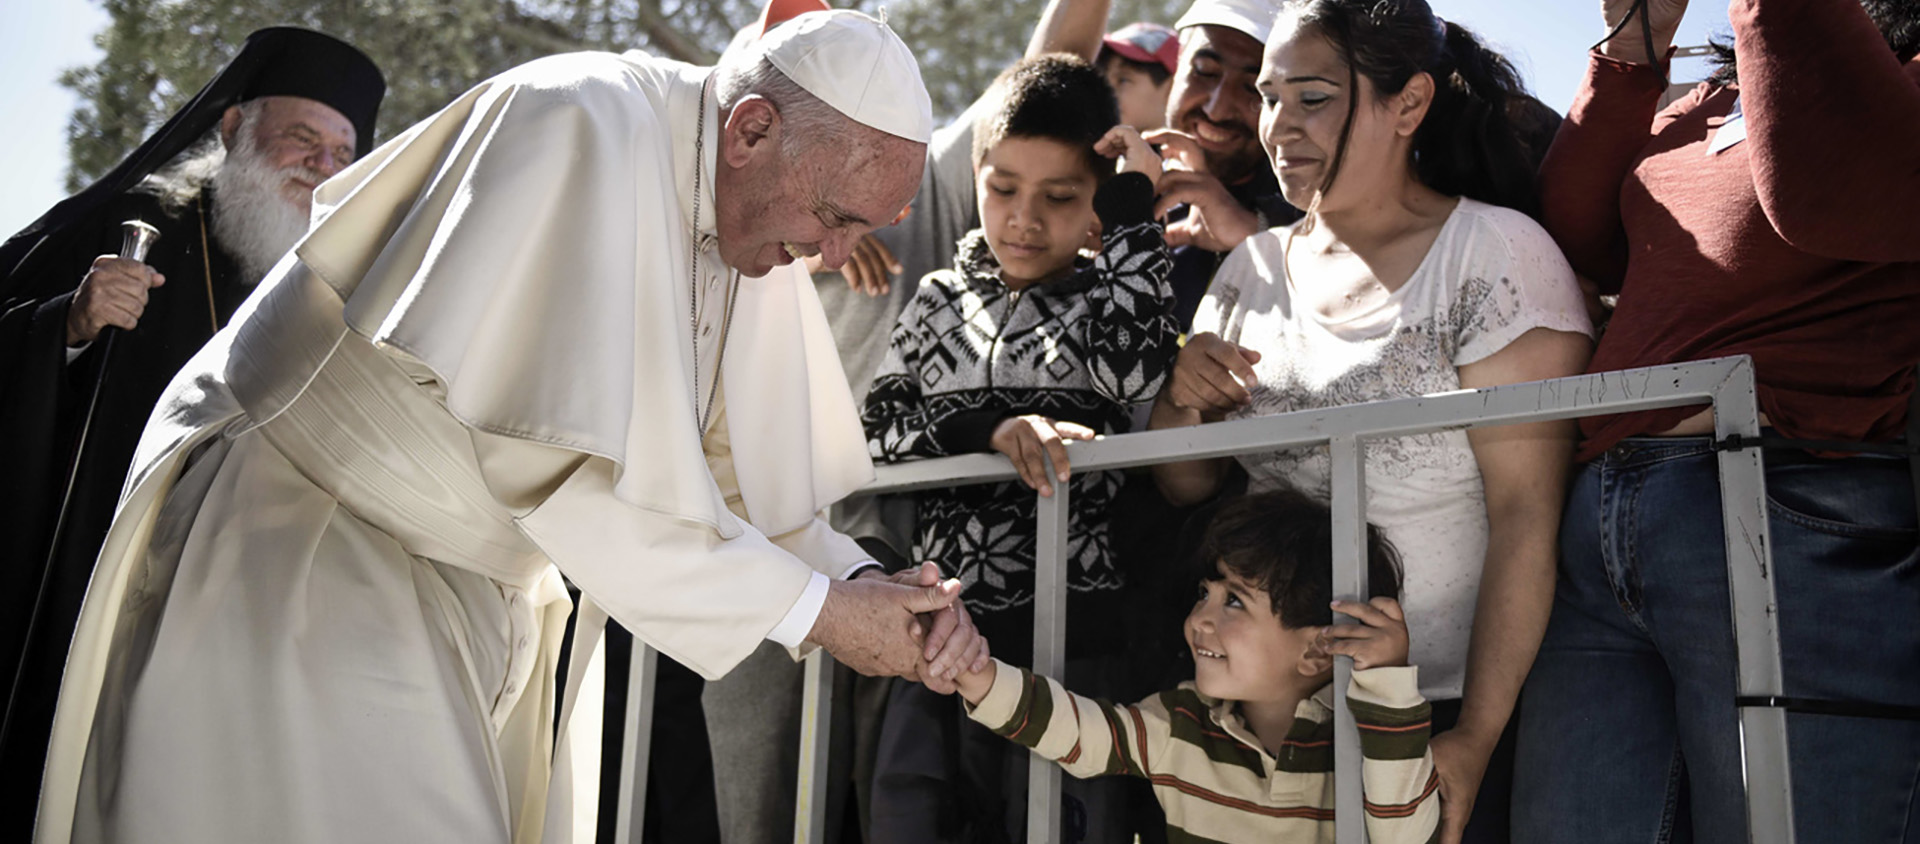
(1635, 681)
(1849, 595)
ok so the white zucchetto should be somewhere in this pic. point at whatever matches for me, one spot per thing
(856, 64)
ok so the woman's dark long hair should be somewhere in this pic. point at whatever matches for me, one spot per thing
(1467, 145)
(1897, 20)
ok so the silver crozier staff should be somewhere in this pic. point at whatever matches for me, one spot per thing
(136, 239)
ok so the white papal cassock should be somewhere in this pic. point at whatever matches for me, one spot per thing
(331, 606)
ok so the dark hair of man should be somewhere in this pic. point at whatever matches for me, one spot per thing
(1154, 70)
(1466, 145)
(1282, 542)
(1058, 97)
(1897, 20)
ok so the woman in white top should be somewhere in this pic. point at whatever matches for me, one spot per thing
(1411, 274)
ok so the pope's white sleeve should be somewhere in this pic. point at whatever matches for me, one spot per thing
(705, 600)
(828, 551)
(832, 555)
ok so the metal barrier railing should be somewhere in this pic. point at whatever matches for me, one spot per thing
(1725, 383)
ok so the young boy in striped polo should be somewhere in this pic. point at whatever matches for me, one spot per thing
(1244, 752)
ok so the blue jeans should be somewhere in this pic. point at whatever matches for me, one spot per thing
(1629, 732)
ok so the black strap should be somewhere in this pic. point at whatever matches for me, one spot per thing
(1737, 442)
(1913, 436)
(1821, 706)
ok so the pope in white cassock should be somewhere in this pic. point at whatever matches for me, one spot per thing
(515, 343)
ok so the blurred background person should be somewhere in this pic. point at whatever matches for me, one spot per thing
(1138, 60)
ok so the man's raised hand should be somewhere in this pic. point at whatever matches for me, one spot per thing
(1215, 221)
(1630, 43)
(114, 293)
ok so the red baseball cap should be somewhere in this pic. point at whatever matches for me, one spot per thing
(1147, 43)
(778, 12)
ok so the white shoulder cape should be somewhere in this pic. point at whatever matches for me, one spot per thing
(531, 244)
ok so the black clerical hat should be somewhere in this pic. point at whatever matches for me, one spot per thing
(292, 62)
(278, 61)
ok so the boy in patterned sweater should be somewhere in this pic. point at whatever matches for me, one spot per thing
(1025, 344)
(1244, 752)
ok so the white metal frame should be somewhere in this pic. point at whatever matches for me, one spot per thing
(1725, 383)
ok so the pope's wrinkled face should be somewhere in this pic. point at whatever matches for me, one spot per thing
(775, 205)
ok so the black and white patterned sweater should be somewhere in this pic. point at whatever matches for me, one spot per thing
(969, 353)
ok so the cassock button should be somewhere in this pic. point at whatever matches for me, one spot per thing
(524, 641)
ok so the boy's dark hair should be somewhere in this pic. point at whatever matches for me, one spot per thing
(1282, 542)
(1155, 71)
(1058, 97)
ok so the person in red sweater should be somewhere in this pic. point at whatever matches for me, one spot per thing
(1767, 213)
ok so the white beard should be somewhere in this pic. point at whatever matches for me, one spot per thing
(252, 219)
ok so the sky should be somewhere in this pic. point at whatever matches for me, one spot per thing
(1546, 40)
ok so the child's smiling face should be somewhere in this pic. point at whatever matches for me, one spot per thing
(1241, 651)
(1036, 204)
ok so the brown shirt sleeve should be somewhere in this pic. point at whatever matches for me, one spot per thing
(1834, 120)
(1605, 133)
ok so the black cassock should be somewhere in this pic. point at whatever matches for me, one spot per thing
(43, 404)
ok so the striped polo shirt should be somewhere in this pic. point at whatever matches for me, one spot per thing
(1211, 775)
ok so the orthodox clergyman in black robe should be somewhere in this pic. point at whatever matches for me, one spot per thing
(88, 341)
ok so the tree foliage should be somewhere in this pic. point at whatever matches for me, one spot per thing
(159, 52)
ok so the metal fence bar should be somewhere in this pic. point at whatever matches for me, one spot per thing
(1349, 486)
(1651, 388)
(816, 734)
(1726, 383)
(1049, 646)
(1348, 482)
(635, 743)
(1756, 630)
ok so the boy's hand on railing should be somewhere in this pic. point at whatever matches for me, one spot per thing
(1029, 440)
(1378, 641)
(1212, 376)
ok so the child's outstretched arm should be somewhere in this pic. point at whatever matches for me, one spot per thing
(1087, 737)
(1403, 800)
